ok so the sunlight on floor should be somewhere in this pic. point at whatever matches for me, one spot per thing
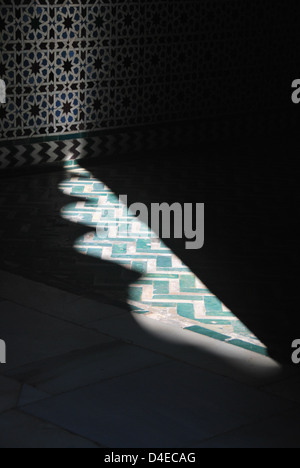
(167, 290)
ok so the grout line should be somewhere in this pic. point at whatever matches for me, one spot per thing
(104, 380)
(254, 423)
(56, 426)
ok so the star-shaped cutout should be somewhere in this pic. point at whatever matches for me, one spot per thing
(68, 22)
(99, 22)
(67, 107)
(35, 23)
(35, 67)
(67, 66)
(97, 104)
(98, 64)
(35, 110)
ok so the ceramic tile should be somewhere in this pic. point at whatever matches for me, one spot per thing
(29, 395)
(33, 294)
(9, 393)
(32, 336)
(84, 367)
(280, 431)
(166, 289)
(65, 80)
(287, 388)
(199, 350)
(85, 310)
(19, 430)
(171, 405)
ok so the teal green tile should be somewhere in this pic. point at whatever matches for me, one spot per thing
(124, 227)
(162, 276)
(92, 202)
(140, 266)
(194, 290)
(186, 310)
(143, 245)
(164, 262)
(249, 346)
(207, 332)
(181, 298)
(144, 282)
(138, 310)
(98, 186)
(161, 287)
(112, 198)
(241, 329)
(214, 307)
(119, 249)
(86, 218)
(95, 253)
(78, 189)
(141, 257)
(135, 294)
(187, 281)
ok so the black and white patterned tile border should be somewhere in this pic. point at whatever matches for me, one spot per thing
(18, 154)
(117, 143)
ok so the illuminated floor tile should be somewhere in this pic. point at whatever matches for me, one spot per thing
(167, 290)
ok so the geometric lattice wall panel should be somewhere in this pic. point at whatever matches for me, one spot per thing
(76, 66)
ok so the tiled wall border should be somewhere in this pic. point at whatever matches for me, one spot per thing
(41, 151)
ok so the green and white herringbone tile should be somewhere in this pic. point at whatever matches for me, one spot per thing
(167, 290)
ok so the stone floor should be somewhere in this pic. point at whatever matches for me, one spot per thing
(80, 373)
(122, 343)
(151, 279)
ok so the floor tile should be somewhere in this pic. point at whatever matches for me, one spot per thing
(280, 431)
(32, 336)
(53, 301)
(88, 261)
(171, 405)
(87, 366)
(204, 352)
(30, 395)
(288, 388)
(143, 253)
(33, 294)
(85, 310)
(18, 430)
(9, 393)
